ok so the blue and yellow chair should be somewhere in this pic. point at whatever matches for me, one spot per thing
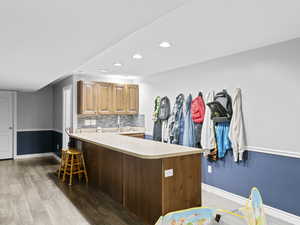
(252, 213)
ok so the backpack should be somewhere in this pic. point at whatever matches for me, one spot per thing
(165, 108)
(198, 109)
(221, 107)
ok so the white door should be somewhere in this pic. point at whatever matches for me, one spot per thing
(6, 125)
(67, 113)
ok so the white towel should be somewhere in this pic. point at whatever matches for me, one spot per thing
(236, 129)
(208, 140)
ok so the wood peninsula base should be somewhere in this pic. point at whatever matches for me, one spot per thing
(146, 187)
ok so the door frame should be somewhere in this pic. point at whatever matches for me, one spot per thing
(70, 88)
(14, 118)
(15, 123)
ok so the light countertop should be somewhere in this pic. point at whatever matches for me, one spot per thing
(141, 148)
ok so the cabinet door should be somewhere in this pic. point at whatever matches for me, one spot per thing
(119, 98)
(86, 98)
(104, 98)
(132, 99)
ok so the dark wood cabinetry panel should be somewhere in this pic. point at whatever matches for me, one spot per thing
(93, 158)
(183, 189)
(111, 175)
(142, 188)
(141, 185)
(139, 135)
(104, 168)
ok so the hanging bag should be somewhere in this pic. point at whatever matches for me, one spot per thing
(221, 107)
(165, 110)
(198, 109)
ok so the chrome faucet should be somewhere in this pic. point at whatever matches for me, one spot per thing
(119, 123)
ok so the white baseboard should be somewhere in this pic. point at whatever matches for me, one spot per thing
(277, 213)
(56, 157)
(38, 155)
(27, 156)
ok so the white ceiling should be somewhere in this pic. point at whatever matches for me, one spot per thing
(42, 40)
(202, 30)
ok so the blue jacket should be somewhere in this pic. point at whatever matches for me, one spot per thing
(181, 128)
(188, 134)
(223, 142)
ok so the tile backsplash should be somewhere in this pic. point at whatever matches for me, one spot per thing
(111, 121)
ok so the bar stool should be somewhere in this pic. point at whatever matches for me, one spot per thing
(62, 162)
(72, 163)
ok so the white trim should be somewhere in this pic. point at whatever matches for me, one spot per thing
(56, 157)
(58, 131)
(35, 129)
(38, 155)
(274, 151)
(277, 213)
(271, 151)
(66, 88)
(43, 129)
(148, 133)
(15, 123)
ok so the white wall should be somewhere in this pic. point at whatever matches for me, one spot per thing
(270, 81)
(58, 102)
(35, 109)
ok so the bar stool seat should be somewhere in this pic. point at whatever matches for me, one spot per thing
(72, 163)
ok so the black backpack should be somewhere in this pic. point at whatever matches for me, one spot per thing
(165, 108)
(221, 107)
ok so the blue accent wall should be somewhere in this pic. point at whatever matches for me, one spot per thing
(149, 137)
(277, 177)
(57, 142)
(33, 142)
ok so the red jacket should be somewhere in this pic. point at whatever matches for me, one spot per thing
(198, 109)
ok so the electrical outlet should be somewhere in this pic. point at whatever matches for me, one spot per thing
(57, 147)
(87, 122)
(169, 173)
(209, 169)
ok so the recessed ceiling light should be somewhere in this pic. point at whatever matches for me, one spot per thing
(137, 56)
(103, 71)
(165, 44)
(117, 64)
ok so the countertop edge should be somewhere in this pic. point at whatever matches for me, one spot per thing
(200, 151)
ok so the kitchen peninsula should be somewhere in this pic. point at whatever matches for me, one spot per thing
(148, 178)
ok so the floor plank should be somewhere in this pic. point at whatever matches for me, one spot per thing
(30, 194)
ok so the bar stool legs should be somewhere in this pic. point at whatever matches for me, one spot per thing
(71, 172)
(72, 163)
(65, 167)
(62, 162)
(84, 169)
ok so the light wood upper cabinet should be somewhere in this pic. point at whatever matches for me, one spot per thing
(86, 92)
(132, 99)
(107, 98)
(104, 93)
(119, 98)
